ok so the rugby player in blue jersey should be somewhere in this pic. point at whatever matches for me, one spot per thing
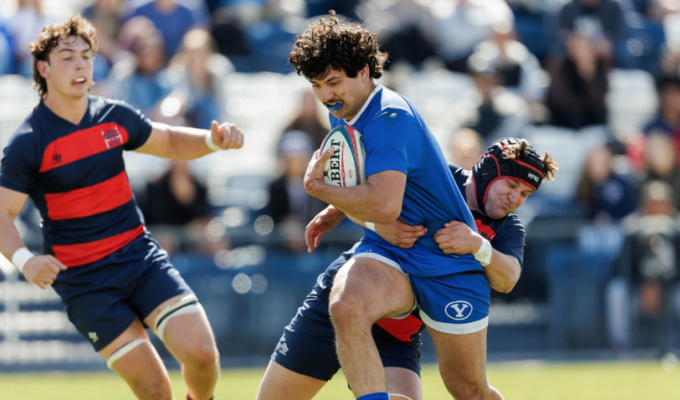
(407, 178)
(113, 279)
(305, 358)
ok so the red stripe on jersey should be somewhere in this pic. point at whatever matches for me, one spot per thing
(82, 144)
(74, 255)
(485, 230)
(91, 200)
(401, 329)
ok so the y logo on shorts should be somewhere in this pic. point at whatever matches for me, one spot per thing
(458, 310)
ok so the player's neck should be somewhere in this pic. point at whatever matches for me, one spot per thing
(470, 195)
(367, 94)
(70, 109)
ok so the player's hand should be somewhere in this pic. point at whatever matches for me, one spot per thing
(457, 238)
(42, 270)
(400, 234)
(314, 173)
(227, 136)
(320, 224)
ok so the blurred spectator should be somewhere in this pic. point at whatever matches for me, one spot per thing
(520, 71)
(661, 162)
(462, 24)
(404, 28)
(467, 147)
(197, 74)
(136, 79)
(6, 50)
(309, 121)
(178, 201)
(667, 119)
(644, 298)
(498, 112)
(290, 206)
(272, 35)
(578, 85)
(346, 8)
(23, 27)
(171, 17)
(602, 193)
(231, 38)
(600, 21)
(107, 17)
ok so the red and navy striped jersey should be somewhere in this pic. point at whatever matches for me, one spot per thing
(75, 175)
(506, 235)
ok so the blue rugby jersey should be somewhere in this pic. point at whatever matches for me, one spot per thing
(506, 235)
(396, 138)
(75, 175)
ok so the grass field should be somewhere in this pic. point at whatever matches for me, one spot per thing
(517, 381)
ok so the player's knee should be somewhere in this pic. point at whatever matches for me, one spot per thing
(346, 313)
(203, 356)
(466, 390)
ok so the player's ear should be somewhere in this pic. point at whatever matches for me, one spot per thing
(365, 73)
(44, 69)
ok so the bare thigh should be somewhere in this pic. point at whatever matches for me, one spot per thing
(280, 383)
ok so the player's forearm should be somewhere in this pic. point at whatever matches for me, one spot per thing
(184, 143)
(363, 202)
(503, 272)
(10, 241)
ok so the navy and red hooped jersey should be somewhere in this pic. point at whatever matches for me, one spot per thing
(506, 235)
(75, 175)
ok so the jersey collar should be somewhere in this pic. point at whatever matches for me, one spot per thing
(368, 101)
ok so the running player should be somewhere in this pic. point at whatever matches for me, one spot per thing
(113, 279)
(305, 357)
(407, 178)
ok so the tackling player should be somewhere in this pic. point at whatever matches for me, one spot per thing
(111, 276)
(305, 357)
(407, 178)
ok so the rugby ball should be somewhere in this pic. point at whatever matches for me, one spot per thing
(346, 167)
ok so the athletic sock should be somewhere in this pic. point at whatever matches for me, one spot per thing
(189, 398)
(375, 396)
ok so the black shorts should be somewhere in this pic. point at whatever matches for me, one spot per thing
(307, 345)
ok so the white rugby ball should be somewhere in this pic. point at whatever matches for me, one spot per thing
(346, 167)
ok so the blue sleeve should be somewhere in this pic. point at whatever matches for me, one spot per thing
(388, 140)
(510, 239)
(21, 163)
(137, 125)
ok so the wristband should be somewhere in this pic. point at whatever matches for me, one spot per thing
(369, 225)
(20, 258)
(483, 255)
(209, 142)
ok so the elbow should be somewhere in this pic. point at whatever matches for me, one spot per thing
(506, 287)
(386, 214)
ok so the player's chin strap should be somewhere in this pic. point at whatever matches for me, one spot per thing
(185, 305)
(118, 354)
(399, 395)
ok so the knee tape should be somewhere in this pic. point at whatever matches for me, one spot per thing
(118, 354)
(186, 305)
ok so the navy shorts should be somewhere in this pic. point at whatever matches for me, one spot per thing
(307, 345)
(102, 299)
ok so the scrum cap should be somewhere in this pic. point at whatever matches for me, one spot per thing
(492, 166)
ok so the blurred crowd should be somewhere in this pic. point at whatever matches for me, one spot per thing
(531, 63)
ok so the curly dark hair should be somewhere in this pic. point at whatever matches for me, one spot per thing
(337, 45)
(519, 151)
(49, 39)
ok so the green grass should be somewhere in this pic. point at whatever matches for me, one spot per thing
(517, 381)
